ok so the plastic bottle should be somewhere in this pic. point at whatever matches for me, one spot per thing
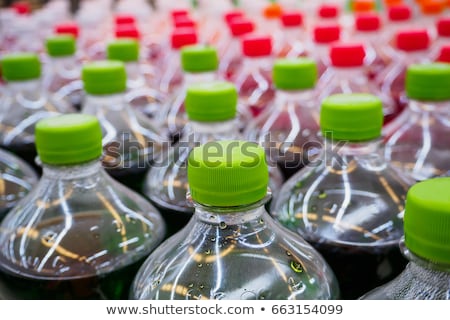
(289, 127)
(431, 11)
(17, 178)
(199, 64)
(411, 47)
(130, 139)
(399, 17)
(425, 245)
(349, 202)
(171, 73)
(23, 103)
(62, 77)
(443, 37)
(418, 141)
(78, 234)
(166, 182)
(347, 74)
(232, 248)
(140, 94)
(231, 59)
(254, 79)
(323, 37)
(294, 42)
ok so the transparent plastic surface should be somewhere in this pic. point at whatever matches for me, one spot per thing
(130, 139)
(77, 235)
(22, 105)
(354, 80)
(234, 253)
(421, 280)
(62, 79)
(349, 205)
(17, 178)
(289, 130)
(254, 84)
(418, 141)
(141, 94)
(166, 182)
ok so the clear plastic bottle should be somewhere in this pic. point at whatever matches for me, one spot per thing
(254, 79)
(62, 77)
(349, 202)
(411, 47)
(289, 127)
(199, 64)
(130, 140)
(399, 17)
(293, 38)
(443, 37)
(347, 74)
(418, 140)
(23, 103)
(140, 94)
(166, 182)
(232, 248)
(78, 234)
(231, 59)
(172, 73)
(425, 245)
(17, 178)
(323, 37)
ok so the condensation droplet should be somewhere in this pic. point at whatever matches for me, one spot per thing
(200, 265)
(296, 266)
(208, 251)
(322, 194)
(219, 295)
(288, 253)
(261, 221)
(190, 285)
(213, 239)
(248, 295)
(201, 286)
(222, 225)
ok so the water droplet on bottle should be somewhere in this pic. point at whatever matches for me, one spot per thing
(288, 253)
(295, 285)
(213, 239)
(296, 266)
(208, 251)
(190, 285)
(248, 295)
(200, 265)
(261, 221)
(222, 225)
(219, 295)
(201, 286)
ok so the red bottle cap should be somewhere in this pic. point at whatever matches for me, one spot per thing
(413, 40)
(127, 31)
(21, 8)
(241, 26)
(328, 11)
(368, 22)
(179, 13)
(347, 55)
(327, 33)
(256, 46)
(67, 28)
(292, 19)
(181, 37)
(443, 27)
(184, 22)
(230, 15)
(444, 54)
(399, 12)
(124, 19)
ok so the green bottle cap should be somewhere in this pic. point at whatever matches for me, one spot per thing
(104, 77)
(199, 58)
(427, 220)
(126, 50)
(428, 82)
(20, 66)
(61, 46)
(351, 117)
(295, 74)
(68, 139)
(228, 173)
(211, 102)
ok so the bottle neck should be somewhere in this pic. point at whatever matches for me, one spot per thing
(199, 77)
(113, 102)
(66, 67)
(135, 79)
(229, 216)
(303, 98)
(349, 73)
(255, 64)
(418, 106)
(214, 128)
(28, 93)
(435, 274)
(71, 172)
